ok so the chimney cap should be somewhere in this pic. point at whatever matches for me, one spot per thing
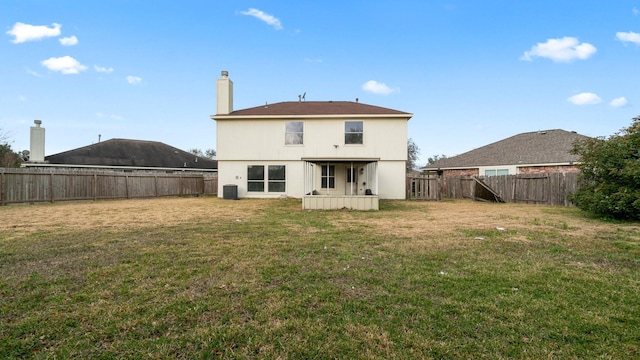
(225, 73)
(37, 122)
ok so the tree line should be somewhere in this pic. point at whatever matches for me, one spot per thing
(8, 157)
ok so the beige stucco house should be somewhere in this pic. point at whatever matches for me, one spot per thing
(331, 154)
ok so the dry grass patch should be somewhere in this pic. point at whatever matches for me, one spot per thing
(121, 214)
(212, 278)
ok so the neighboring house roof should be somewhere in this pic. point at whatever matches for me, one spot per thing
(531, 148)
(314, 108)
(131, 153)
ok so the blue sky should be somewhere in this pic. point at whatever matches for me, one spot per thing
(471, 72)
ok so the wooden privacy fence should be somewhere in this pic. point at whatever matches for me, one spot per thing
(549, 188)
(423, 187)
(33, 185)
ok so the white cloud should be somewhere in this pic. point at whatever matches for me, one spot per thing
(377, 88)
(619, 102)
(585, 98)
(635, 11)
(134, 80)
(25, 32)
(102, 115)
(69, 41)
(31, 72)
(66, 65)
(565, 49)
(313, 60)
(259, 14)
(628, 37)
(22, 98)
(102, 69)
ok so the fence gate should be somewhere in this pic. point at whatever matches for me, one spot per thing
(423, 188)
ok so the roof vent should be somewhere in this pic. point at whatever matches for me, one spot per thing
(542, 132)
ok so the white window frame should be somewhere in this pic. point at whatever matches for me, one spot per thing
(254, 180)
(291, 136)
(267, 179)
(273, 181)
(328, 177)
(497, 170)
(348, 132)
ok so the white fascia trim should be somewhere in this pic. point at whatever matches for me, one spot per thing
(549, 164)
(345, 116)
(339, 159)
(430, 168)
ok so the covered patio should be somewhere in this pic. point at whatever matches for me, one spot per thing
(340, 184)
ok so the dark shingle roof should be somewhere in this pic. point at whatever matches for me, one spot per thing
(136, 153)
(539, 147)
(311, 108)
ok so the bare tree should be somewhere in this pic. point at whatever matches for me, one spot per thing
(3, 137)
(435, 158)
(8, 158)
(412, 154)
(207, 154)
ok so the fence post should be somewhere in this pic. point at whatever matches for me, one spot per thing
(95, 186)
(126, 185)
(549, 200)
(51, 185)
(2, 192)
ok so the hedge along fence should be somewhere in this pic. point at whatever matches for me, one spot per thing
(34, 185)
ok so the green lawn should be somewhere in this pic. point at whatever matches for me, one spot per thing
(201, 278)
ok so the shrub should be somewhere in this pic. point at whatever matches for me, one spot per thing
(610, 174)
(8, 158)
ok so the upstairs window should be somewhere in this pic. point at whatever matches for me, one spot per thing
(353, 132)
(294, 133)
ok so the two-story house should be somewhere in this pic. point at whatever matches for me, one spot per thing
(331, 154)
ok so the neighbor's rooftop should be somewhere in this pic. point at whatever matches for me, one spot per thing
(133, 153)
(537, 147)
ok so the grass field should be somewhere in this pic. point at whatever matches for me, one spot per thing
(200, 278)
